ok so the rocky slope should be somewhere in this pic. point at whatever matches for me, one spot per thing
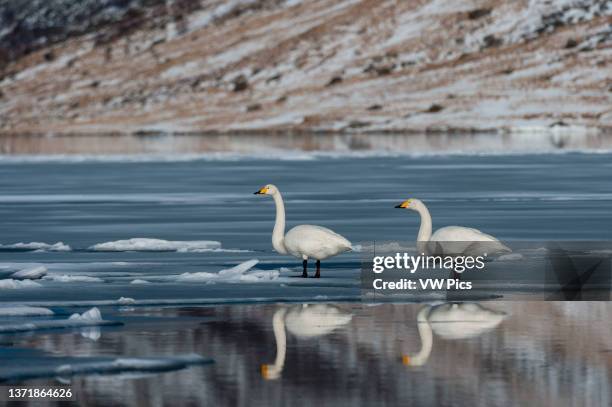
(260, 65)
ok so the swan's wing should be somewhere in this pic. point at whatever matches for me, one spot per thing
(459, 239)
(315, 241)
(461, 234)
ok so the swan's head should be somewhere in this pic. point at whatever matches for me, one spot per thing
(267, 190)
(270, 372)
(411, 203)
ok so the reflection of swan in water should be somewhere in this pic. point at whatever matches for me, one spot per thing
(464, 240)
(451, 321)
(303, 321)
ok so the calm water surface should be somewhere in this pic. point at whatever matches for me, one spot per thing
(541, 353)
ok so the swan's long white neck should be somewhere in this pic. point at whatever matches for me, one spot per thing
(426, 334)
(425, 229)
(278, 234)
(278, 325)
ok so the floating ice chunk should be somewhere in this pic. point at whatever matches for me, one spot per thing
(124, 365)
(38, 246)
(30, 273)
(126, 301)
(156, 245)
(198, 277)
(239, 269)
(23, 311)
(139, 281)
(235, 274)
(88, 318)
(11, 284)
(259, 276)
(91, 315)
(67, 278)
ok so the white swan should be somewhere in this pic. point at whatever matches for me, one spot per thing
(451, 321)
(464, 240)
(303, 241)
(303, 321)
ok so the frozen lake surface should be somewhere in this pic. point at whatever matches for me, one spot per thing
(144, 240)
(157, 230)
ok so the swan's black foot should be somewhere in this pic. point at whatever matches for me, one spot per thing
(305, 265)
(318, 274)
(305, 274)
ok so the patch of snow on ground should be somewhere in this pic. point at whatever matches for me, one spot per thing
(176, 71)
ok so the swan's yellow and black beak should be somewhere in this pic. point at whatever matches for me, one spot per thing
(406, 360)
(262, 191)
(404, 204)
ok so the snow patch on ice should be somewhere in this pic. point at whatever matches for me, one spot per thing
(23, 311)
(38, 246)
(157, 245)
(93, 317)
(30, 273)
(68, 278)
(10, 284)
(234, 274)
(140, 281)
(126, 301)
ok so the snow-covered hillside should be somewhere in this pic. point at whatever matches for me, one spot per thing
(347, 65)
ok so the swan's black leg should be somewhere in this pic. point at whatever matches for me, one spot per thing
(305, 265)
(318, 275)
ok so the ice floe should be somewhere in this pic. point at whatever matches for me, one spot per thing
(157, 245)
(92, 317)
(126, 301)
(12, 284)
(23, 311)
(37, 246)
(30, 273)
(139, 281)
(235, 274)
(68, 278)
